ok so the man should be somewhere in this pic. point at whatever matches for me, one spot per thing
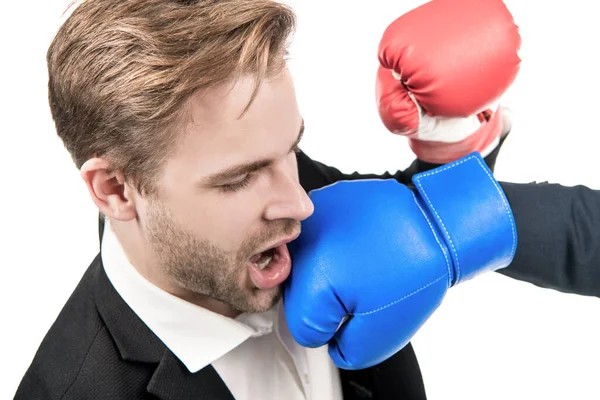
(182, 118)
(196, 171)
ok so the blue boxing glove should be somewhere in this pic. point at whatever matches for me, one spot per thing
(376, 258)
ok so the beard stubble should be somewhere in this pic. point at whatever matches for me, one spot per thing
(203, 268)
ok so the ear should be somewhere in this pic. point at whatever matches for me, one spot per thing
(113, 197)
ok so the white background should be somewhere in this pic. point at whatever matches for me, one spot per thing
(493, 338)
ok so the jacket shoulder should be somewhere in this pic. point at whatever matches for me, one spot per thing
(78, 358)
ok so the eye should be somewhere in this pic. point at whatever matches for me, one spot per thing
(239, 185)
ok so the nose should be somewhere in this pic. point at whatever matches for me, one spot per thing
(288, 198)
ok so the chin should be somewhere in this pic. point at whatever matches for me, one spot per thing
(264, 300)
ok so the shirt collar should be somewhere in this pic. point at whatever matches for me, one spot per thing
(194, 334)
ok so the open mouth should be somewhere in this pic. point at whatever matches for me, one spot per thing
(263, 259)
(271, 267)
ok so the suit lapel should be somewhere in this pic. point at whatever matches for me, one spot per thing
(137, 343)
(134, 340)
(172, 381)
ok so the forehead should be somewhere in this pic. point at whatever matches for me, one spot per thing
(218, 135)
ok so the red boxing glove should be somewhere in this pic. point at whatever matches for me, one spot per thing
(443, 68)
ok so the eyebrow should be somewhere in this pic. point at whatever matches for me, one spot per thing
(245, 168)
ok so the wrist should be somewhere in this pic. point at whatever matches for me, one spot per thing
(483, 137)
(471, 213)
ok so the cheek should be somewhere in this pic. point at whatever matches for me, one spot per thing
(226, 220)
(237, 218)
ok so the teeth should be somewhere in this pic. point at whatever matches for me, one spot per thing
(265, 262)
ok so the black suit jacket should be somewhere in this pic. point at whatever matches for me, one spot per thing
(99, 349)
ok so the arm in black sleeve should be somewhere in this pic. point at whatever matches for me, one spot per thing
(558, 230)
(558, 227)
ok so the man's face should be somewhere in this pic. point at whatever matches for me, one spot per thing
(230, 197)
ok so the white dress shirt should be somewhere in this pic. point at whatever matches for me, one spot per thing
(254, 354)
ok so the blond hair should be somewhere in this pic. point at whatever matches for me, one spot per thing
(121, 71)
